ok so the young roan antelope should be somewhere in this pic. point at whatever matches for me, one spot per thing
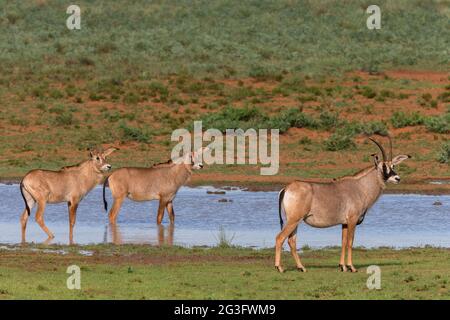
(159, 182)
(344, 201)
(70, 184)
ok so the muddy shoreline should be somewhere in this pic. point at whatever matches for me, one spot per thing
(424, 187)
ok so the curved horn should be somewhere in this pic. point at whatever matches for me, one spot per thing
(390, 147)
(383, 153)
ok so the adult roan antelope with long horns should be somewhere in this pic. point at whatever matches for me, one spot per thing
(344, 201)
(70, 184)
(159, 182)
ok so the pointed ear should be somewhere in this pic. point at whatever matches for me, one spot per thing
(400, 159)
(91, 154)
(376, 159)
(108, 151)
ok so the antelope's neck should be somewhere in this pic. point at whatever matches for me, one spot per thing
(180, 174)
(91, 177)
(373, 185)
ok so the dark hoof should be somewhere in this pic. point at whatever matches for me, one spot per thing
(279, 269)
(352, 269)
(342, 268)
(301, 269)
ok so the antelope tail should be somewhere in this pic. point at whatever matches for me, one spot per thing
(24, 199)
(280, 202)
(105, 203)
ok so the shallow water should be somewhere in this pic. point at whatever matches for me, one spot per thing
(251, 220)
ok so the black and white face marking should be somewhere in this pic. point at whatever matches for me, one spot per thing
(196, 162)
(389, 174)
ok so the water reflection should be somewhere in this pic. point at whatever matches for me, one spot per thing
(165, 235)
(168, 239)
(252, 217)
(116, 235)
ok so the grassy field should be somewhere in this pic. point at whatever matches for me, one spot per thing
(144, 272)
(137, 71)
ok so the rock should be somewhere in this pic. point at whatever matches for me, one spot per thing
(437, 203)
(215, 192)
(225, 200)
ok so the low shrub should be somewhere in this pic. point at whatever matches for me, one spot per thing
(64, 119)
(444, 153)
(329, 120)
(400, 119)
(438, 124)
(368, 92)
(129, 133)
(374, 127)
(339, 141)
(292, 118)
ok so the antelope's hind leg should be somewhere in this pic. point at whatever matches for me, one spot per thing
(24, 218)
(40, 218)
(114, 212)
(292, 241)
(281, 237)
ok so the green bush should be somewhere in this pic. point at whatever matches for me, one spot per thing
(131, 98)
(158, 88)
(339, 141)
(264, 73)
(368, 92)
(438, 124)
(444, 97)
(374, 127)
(245, 118)
(64, 119)
(400, 119)
(329, 120)
(129, 133)
(235, 118)
(292, 118)
(444, 153)
(58, 109)
(350, 128)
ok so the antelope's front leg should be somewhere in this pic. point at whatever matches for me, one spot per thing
(342, 266)
(162, 206)
(351, 236)
(73, 206)
(171, 212)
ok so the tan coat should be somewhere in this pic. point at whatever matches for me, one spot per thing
(160, 182)
(344, 201)
(70, 184)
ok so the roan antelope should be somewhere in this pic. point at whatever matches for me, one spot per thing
(159, 182)
(70, 184)
(344, 201)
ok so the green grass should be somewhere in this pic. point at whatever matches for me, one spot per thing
(144, 272)
(260, 39)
